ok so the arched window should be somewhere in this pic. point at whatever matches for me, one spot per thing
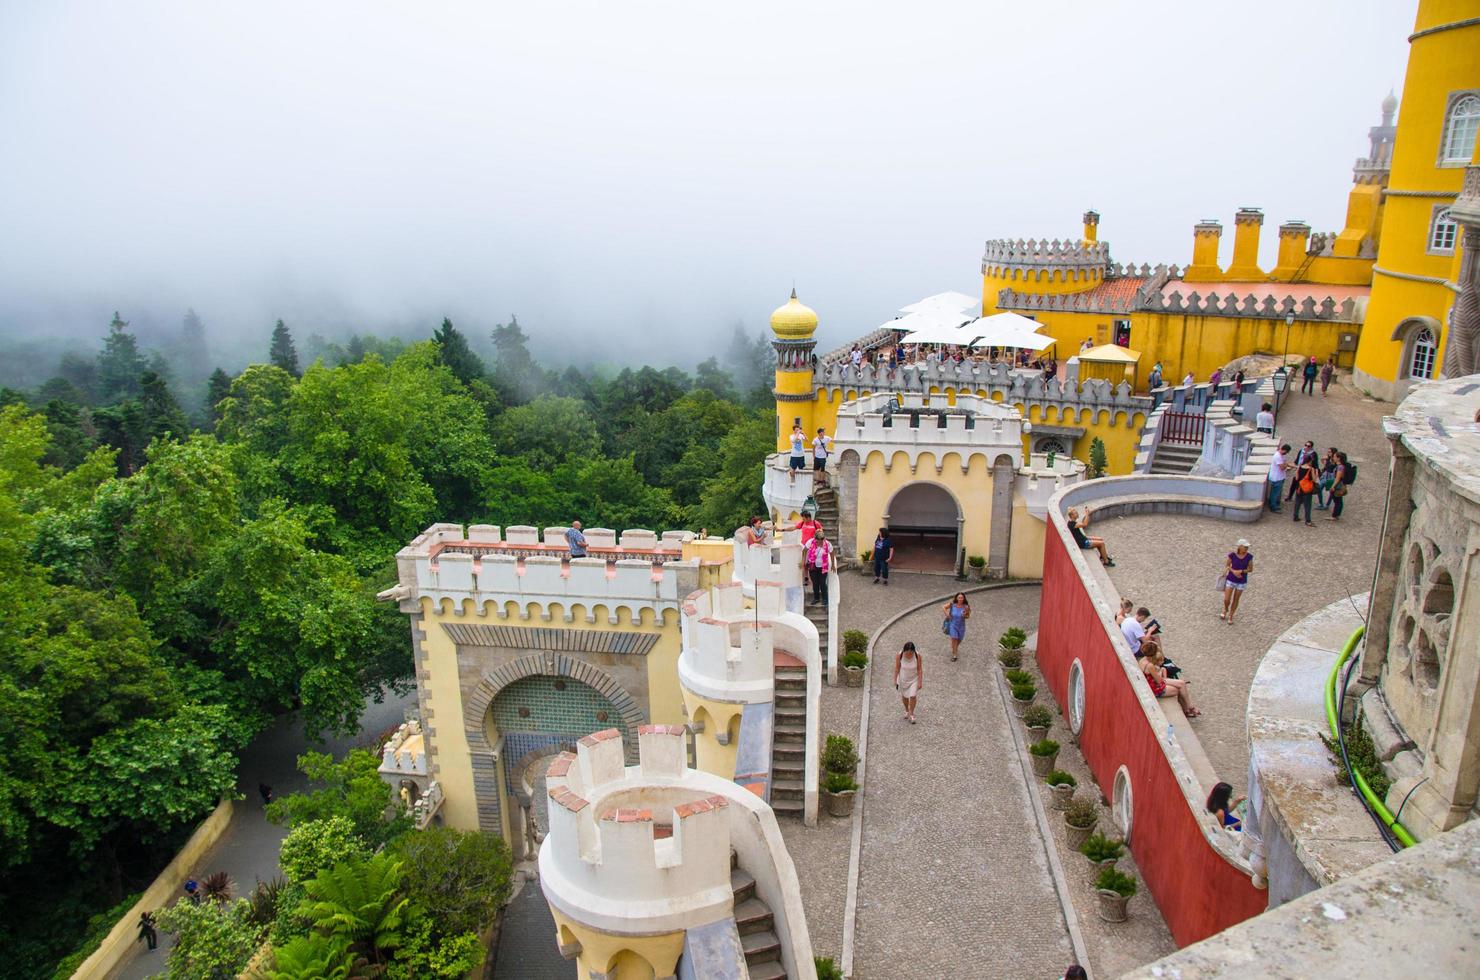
(1053, 444)
(1460, 128)
(1443, 232)
(1425, 351)
(1076, 697)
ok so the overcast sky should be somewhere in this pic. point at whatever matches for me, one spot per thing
(639, 176)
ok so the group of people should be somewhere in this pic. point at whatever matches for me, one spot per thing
(891, 356)
(1310, 478)
(821, 449)
(1144, 636)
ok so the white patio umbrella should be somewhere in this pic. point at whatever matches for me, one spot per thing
(1007, 330)
(931, 326)
(951, 302)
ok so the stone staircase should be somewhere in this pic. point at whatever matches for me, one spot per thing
(827, 513)
(789, 739)
(1175, 459)
(756, 925)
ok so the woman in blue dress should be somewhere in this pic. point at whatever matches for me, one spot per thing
(957, 611)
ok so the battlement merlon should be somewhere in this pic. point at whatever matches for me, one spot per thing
(1017, 387)
(1044, 254)
(712, 667)
(522, 541)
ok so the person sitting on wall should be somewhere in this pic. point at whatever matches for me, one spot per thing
(1154, 670)
(1219, 805)
(1077, 525)
(754, 532)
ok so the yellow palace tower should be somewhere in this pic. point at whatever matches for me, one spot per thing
(793, 324)
(1416, 277)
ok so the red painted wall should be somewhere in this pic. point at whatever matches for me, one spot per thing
(1198, 892)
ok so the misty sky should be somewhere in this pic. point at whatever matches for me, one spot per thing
(636, 177)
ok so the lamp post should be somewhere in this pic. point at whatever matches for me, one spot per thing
(1282, 373)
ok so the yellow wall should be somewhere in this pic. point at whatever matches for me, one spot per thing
(972, 491)
(793, 383)
(1051, 282)
(620, 957)
(1025, 555)
(718, 717)
(1438, 65)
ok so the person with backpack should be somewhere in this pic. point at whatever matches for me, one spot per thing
(1341, 481)
(1328, 477)
(1308, 374)
(1307, 482)
(819, 562)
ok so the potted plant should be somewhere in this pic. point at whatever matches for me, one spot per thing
(1044, 752)
(1036, 720)
(1080, 817)
(1013, 639)
(854, 664)
(866, 561)
(978, 567)
(1022, 696)
(1018, 676)
(1101, 852)
(839, 769)
(1010, 659)
(855, 640)
(1115, 889)
(1061, 785)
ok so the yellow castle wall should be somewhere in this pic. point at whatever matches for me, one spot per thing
(972, 491)
(1025, 554)
(609, 955)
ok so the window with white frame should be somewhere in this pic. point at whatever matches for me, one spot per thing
(1443, 232)
(1460, 127)
(1425, 352)
(1122, 803)
(1076, 697)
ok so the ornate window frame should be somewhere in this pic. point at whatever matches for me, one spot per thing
(1443, 231)
(1450, 153)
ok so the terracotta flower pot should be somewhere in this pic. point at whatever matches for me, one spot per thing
(853, 676)
(1061, 796)
(1112, 905)
(839, 804)
(1043, 764)
(1076, 836)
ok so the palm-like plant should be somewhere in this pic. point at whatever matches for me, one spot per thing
(218, 887)
(316, 957)
(361, 902)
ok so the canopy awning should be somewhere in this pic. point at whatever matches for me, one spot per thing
(1110, 354)
(1007, 330)
(950, 302)
(932, 326)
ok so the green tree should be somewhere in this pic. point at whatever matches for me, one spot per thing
(516, 377)
(454, 352)
(193, 356)
(361, 902)
(350, 788)
(753, 362)
(315, 845)
(282, 353)
(161, 413)
(459, 878)
(119, 364)
(71, 432)
(121, 426)
(710, 376)
(254, 410)
(733, 494)
(1097, 461)
(81, 372)
(215, 941)
(424, 956)
(611, 493)
(547, 431)
(315, 957)
(218, 387)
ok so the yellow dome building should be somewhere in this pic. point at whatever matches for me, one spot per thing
(793, 323)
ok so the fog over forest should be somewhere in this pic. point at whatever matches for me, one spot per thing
(631, 180)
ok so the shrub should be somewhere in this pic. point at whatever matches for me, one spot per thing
(867, 555)
(1111, 880)
(317, 845)
(855, 658)
(1010, 658)
(1101, 848)
(1016, 631)
(855, 640)
(459, 878)
(98, 927)
(1015, 677)
(217, 886)
(839, 755)
(215, 938)
(1098, 462)
(265, 899)
(1045, 747)
(827, 968)
(1081, 813)
(1024, 692)
(1363, 756)
(839, 782)
(1037, 716)
(1060, 778)
(976, 561)
(1013, 639)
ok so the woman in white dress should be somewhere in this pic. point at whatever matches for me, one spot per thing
(909, 677)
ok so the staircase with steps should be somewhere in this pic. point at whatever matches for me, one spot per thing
(756, 925)
(827, 514)
(1175, 459)
(789, 737)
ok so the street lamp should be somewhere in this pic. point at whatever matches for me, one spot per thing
(1282, 373)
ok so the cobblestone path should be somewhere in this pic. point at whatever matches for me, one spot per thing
(953, 881)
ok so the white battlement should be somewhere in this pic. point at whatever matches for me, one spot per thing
(405, 753)
(713, 667)
(778, 563)
(915, 427)
(1037, 482)
(637, 848)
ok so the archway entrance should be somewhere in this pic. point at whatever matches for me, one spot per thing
(925, 524)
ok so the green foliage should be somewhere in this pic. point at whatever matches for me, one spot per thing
(265, 900)
(1013, 639)
(361, 902)
(1044, 747)
(316, 845)
(454, 352)
(1025, 691)
(827, 968)
(839, 755)
(855, 658)
(547, 431)
(1097, 461)
(1363, 756)
(855, 640)
(1010, 658)
(1098, 847)
(839, 782)
(515, 375)
(1059, 777)
(313, 957)
(866, 555)
(733, 493)
(1081, 813)
(976, 561)
(350, 788)
(282, 354)
(214, 939)
(1037, 716)
(119, 363)
(1111, 880)
(1015, 677)
(460, 879)
(98, 927)
(422, 955)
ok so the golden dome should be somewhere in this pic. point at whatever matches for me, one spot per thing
(793, 321)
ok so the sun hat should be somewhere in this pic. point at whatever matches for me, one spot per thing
(1241, 543)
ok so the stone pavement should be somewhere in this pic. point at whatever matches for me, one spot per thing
(526, 942)
(1170, 564)
(953, 880)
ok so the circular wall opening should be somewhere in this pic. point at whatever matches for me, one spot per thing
(1076, 697)
(1122, 806)
(1439, 601)
(1425, 664)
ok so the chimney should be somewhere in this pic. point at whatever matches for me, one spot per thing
(1206, 235)
(1245, 264)
(1091, 226)
(1294, 242)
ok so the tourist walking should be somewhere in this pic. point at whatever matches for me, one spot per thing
(264, 791)
(1309, 373)
(909, 677)
(1327, 371)
(883, 555)
(820, 448)
(576, 540)
(957, 611)
(798, 458)
(819, 562)
(1279, 468)
(1236, 571)
(147, 933)
(1342, 478)
(1306, 483)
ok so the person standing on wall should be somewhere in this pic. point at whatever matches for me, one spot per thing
(909, 677)
(883, 555)
(798, 457)
(576, 540)
(819, 562)
(957, 612)
(1309, 373)
(821, 446)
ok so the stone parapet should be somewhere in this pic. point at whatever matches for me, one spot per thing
(1002, 257)
(973, 426)
(1036, 481)
(1229, 304)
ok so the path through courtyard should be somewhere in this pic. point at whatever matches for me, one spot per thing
(953, 880)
